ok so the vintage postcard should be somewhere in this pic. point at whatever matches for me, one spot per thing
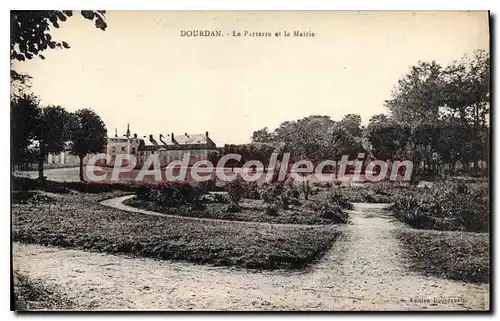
(250, 160)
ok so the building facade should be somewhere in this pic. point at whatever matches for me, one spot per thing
(168, 147)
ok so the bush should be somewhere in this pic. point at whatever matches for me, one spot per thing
(210, 186)
(337, 197)
(22, 197)
(31, 197)
(236, 189)
(333, 212)
(415, 212)
(279, 194)
(171, 195)
(232, 208)
(251, 190)
(448, 207)
(271, 210)
(215, 198)
(269, 192)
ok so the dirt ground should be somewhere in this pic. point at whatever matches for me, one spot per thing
(364, 270)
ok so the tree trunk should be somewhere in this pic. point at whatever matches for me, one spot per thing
(306, 192)
(41, 178)
(82, 178)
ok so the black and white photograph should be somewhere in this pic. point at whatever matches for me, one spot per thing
(250, 160)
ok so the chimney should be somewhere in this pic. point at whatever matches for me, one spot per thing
(135, 135)
(186, 134)
(206, 134)
(151, 137)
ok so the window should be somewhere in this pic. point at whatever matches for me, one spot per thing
(113, 150)
(133, 150)
(123, 148)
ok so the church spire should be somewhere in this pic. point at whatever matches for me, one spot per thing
(128, 130)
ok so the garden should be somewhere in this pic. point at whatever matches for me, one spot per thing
(71, 218)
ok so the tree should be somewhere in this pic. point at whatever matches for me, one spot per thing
(417, 97)
(25, 114)
(351, 123)
(262, 136)
(30, 31)
(52, 133)
(446, 109)
(88, 135)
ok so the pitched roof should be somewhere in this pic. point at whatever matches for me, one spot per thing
(184, 139)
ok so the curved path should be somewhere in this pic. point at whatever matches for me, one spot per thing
(364, 271)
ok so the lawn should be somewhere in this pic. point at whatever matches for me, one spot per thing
(78, 221)
(455, 255)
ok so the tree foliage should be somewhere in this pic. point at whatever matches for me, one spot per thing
(25, 113)
(439, 113)
(31, 31)
(89, 135)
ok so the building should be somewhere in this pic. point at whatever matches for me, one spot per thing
(168, 147)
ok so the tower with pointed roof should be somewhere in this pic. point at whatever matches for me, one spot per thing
(128, 131)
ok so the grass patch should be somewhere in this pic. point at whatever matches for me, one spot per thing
(77, 221)
(454, 255)
(35, 295)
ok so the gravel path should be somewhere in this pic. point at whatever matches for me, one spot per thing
(363, 271)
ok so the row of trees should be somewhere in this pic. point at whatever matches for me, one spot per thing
(38, 131)
(437, 115)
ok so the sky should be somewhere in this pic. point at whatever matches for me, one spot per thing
(142, 72)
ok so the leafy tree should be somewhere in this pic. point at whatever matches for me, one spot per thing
(388, 138)
(31, 31)
(417, 97)
(262, 136)
(25, 114)
(52, 133)
(351, 123)
(89, 135)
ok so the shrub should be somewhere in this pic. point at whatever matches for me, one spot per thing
(142, 193)
(269, 191)
(236, 190)
(271, 210)
(414, 212)
(171, 195)
(251, 190)
(333, 212)
(232, 208)
(22, 197)
(31, 197)
(215, 198)
(279, 194)
(448, 207)
(337, 197)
